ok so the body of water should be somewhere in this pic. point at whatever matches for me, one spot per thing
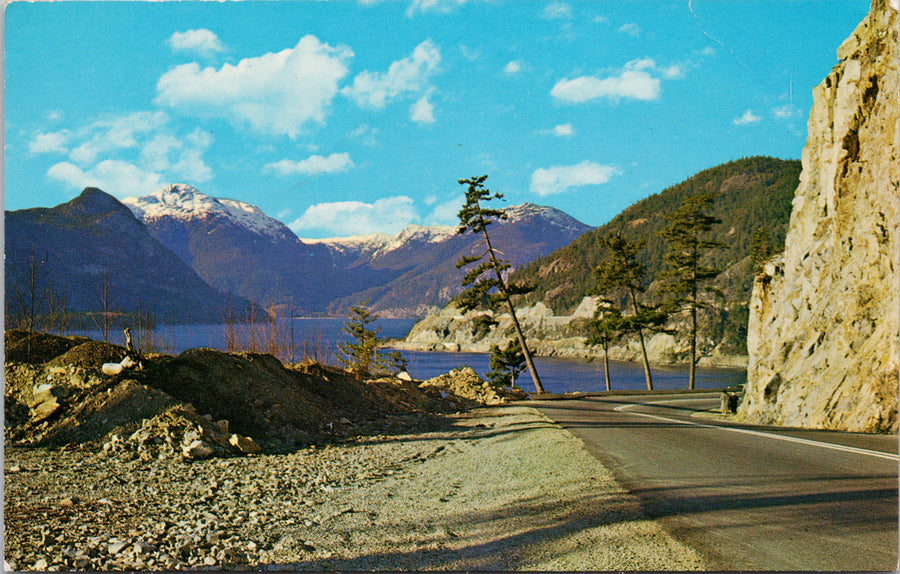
(319, 338)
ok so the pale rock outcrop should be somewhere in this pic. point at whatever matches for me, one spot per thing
(549, 335)
(823, 332)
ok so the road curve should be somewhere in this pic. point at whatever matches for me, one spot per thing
(746, 497)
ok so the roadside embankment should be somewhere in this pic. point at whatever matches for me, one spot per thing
(497, 488)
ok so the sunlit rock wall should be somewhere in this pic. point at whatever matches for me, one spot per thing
(823, 333)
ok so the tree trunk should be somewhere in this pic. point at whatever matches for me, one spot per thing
(606, 362)
(643, 347)
(527, 354)
(693, 370)
(512, 311)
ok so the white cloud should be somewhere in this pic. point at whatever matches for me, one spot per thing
(422, 111)
(340, 218)
(409, 75)
(638, 79)
(115, 177)
(513, 68)
(557, 11)
(438, 6)
(313, 165)
(673, 72)
(202, 42)
(445, 213)
(468, 53)
(560, 178)
(746, 119)
(53, 142)
(563, 130)
(638, 85)
(785, 111)
(275, 94)
(129, 154)
(115, 133)
(365, 134)
(631, 29)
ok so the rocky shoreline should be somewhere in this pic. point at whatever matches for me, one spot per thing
(551, 335)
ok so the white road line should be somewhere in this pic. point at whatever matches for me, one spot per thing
(840, 447)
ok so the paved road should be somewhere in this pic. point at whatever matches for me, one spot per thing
(747, 497)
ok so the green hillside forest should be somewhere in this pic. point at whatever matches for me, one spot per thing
(754, 203)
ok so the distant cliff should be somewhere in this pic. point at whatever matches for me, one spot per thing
(823, 331)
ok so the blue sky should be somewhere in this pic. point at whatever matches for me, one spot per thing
(349, 117)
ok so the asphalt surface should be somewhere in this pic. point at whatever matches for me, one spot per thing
(746, 497)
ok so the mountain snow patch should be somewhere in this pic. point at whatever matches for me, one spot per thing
(184, 202)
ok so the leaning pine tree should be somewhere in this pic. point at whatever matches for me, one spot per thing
(685, 278)
(485, 281)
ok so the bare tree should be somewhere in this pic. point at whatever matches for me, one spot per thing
(104, 292)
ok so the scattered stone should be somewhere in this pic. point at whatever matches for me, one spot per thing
(197, 449)
(244, 444)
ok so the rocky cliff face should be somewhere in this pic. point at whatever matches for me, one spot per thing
(823, 333)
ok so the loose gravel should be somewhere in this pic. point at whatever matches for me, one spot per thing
(497, 488)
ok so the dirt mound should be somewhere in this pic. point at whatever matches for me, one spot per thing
(219, 400)
(91, 416)
(90, 355)
(30, 347)
(262, 398)
(466, 384)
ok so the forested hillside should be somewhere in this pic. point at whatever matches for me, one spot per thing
(753, 194)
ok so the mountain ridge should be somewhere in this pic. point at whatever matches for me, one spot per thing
(93, 242)
(258, 257)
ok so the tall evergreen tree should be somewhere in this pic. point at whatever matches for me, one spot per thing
(620, 270)
(760, 248)
(605, 328)
(485, 281)
(685, 277)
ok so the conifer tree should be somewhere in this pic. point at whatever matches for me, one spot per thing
(361, 353)
(685, 277)
(606, 328)
(621, 271)
(506, 364)
(485, 282)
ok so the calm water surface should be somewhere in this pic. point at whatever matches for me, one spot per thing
(321, 336)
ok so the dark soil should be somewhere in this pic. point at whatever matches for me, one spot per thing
(279, 407)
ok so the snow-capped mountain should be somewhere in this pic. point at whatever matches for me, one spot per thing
(184, 202)
(378, 244)
(237, 248)
(422, 259)
(94, 240)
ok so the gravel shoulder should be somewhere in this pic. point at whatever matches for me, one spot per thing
(495, 488)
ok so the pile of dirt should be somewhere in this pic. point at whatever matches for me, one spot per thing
(200, 403)
(31, 347)
(466, 383)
